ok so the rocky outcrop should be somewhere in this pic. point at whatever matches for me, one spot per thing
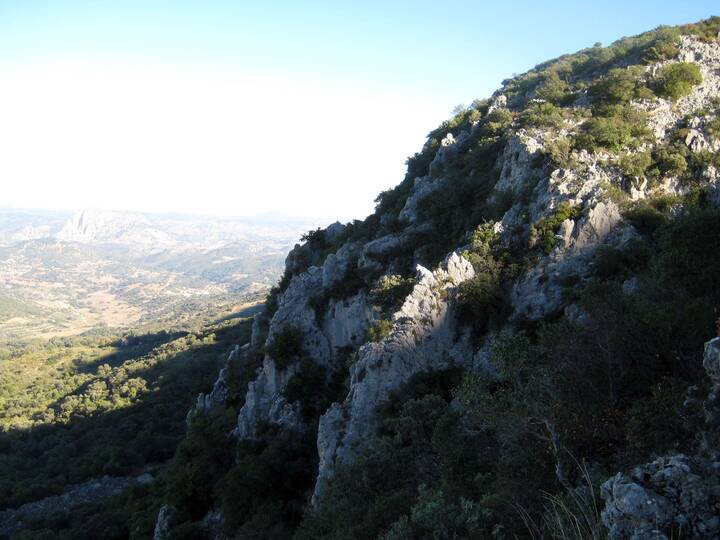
(219, 394)
(423, 338)
(164, 523)
(342, 324)
(90, 492)
(675, 495)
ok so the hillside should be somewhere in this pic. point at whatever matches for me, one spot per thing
(518, 343)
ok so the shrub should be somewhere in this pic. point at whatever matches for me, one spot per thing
(479, 301)
(263, 494)
(547, 228)
(559, 151)
(542, 115)
(689, 257)
(645, 218)
(620, 86)
(677, 80)
(706, 30)
(390, 291)
(614, 128)
(286, 346)
(670, 162)
(380, 330)
(611, 261)
(553, 89)
(657, 423)
(635, 165)
(663, 47)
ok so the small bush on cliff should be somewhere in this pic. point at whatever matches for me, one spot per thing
(480, 301)
(380, 330)
(542, 115)
(286, 346)
(677, 80)
(390, 291)
(548, 227)
(613, 128)
(635, 165)
(620, 86)
(645, 218)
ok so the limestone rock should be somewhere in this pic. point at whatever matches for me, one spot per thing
(422, 338)
(423, 187)
(164, 523)
(676, 492)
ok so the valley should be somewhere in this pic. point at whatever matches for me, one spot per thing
(63, 274)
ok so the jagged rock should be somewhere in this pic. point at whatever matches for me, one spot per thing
(664, 114)
(596, 226)
(264, 400)
(164, 523)
(374, 251)
(218, 395)
(711, 360)
(498, 102)
(346, 321)
(423, 338)
(672, 493)
(334, 231)
(449, 147)
(517, 163)
(711, 363)
(337, 264)
(422, 188)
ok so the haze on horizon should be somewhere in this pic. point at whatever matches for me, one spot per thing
(306, 109)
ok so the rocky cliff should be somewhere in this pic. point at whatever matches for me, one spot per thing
(509, 210)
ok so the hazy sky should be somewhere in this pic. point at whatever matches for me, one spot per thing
(307, 108)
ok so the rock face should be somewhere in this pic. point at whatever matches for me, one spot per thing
(344, 324)
(673, 493)
(423, 338)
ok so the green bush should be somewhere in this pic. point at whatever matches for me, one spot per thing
(548, 227)
(670, 162)
(542, 115)
(706, 30)
(689, 257)
(645, 218)
(559, 150)
(663, 47)
(390, 291)
(553, 89)
(286, 346)
(480, 300)
(380, 330)
(620, 86)
(677, 80)
(613, 128)
(264, 493)
(635, 165)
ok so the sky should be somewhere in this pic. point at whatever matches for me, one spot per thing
(240, 108)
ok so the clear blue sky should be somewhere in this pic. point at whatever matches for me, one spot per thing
(434, 55)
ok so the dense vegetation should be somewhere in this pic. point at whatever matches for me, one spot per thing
(83, 407)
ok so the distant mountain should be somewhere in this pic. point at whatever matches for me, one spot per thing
(120, 227)
(63, 273)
